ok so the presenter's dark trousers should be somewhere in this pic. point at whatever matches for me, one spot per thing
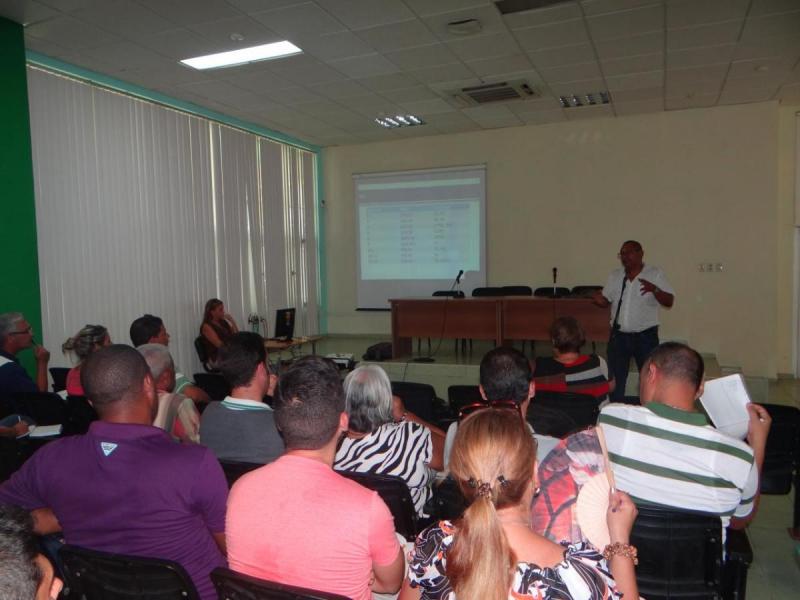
(624, 346)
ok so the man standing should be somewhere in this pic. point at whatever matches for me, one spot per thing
(296, 521)
(16, 334)
(125, 486)
(634, 293)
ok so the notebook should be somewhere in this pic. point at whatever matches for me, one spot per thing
(725, 401)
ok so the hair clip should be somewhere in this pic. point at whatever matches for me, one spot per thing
(484, 490)
(471, 482)
(502, 481)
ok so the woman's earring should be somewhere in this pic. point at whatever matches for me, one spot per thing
(536, 492)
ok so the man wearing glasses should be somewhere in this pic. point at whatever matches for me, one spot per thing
(635, 292)
(16, 334)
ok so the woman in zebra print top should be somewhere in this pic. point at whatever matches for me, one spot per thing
(377, 443)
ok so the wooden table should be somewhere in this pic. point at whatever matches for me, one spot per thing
(280, 345)
(495, 318)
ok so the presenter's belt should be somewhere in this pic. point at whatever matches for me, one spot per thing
(617, 331)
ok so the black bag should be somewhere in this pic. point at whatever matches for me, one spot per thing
(378, 352)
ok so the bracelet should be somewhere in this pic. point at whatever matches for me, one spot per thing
(626, 550)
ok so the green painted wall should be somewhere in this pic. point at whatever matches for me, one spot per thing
(19, 283)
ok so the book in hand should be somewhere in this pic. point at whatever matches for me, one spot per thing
(43, 431)
(725, 401)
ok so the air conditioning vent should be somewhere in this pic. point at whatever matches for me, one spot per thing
(502, 91)
(508, 7)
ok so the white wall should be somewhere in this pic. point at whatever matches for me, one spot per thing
(693, 186)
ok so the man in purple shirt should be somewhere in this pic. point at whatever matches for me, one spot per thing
(125, 486)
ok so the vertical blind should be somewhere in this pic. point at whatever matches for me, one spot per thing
(144, 209)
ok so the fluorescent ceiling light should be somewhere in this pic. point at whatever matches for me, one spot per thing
(243, 56)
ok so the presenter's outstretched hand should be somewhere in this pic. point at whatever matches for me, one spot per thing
(648, 287)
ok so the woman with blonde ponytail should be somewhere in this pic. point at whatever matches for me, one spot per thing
(83, 344)
(491, 552)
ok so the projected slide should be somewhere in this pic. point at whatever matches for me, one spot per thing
(419, 240)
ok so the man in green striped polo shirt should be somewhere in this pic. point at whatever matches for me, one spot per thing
(666, 452)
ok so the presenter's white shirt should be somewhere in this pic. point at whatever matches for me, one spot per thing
(638, 312)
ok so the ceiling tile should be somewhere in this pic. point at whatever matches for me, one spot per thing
(332, 46)
(397, 36)
(648, 43)
(543, 16)
(500, 66)
(176, 43)
(261, 81)
(127, 55)
(312, 75)
(687, 89)
(426, 8)
(123, 18)
(422, 56)
(567, 33)
(726, 32)
(589, 112)
(638, 107)
(767, 48)
(767, 7)
(579, 88)
(299, 19)
(251, 6)
(633, 64)
(577, 72)
(485, 46)
(293, 96)
(337, 90)
(172, 74)
(762, 68)
(443, 73)
(786, 24)
(67, 5)
(364, 66)
(597, 7)
(411, 94)
(622, 24)
(385, 83)
(360, 14)
(638, 95)
(489, 17)
(534, 105)
(565, 55)
(688, 13)
(742, 95)
(697, 101)
(790, 92)
(44, 47)
(635, 81)
(189, 12)
(26, 12)
(70, 33)
(704, 73)
(704, 55)
(87, 59)
(219, 33)
(422, 108)
(543, 117)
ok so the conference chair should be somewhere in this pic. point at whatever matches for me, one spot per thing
(234, 469)
(782, 457)
(448, 503)
(80, 415)
(13, 453)
(484, 292)
(550, 421)
(231, 585)
(517, 290)
(202, 354)
(461, 395)
(94, 575)
(585, 291)
(59, 375)
(581, 408)
(421, 399)
(212, 384)
(551, 292)
(681, 555)
(394, 492)
(45, 408)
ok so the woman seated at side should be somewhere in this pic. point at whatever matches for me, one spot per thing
(491, 552)
(217, 327)
(569, 371)
(385, 439)
(83, 344)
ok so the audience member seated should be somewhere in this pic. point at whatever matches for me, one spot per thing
(25, 573)
(242, 428)
(296, 521)
(491, 553)
(216, 328)
(176, 413)
(14, 426)
(149, 329)
(378, 443)
(16, 335)
(82, 344)
(125, 486)
(506, 381)
(569, 371)
(663, 453)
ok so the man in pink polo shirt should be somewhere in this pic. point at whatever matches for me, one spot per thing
(296, 521)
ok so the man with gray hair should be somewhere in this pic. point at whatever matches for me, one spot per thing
(177, 414)
(16, 334)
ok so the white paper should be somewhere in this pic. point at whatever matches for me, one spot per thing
(725, 400)
(41, 431)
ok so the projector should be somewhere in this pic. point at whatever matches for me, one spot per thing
(342, 359)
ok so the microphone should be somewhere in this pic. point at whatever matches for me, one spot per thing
(458, 277)
(555, 275)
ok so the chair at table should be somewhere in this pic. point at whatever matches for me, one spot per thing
(93, 575)
(517, 290)
(45, 408)
(550, 421)
(461, 395)
(585, 291)
(394, 492)
(487, 292)
(551, 292)
(581, 408)
(231, 585)
(80, 415)
(212, 384)
(59, 375)
(782, 457)
(418, 398)
(202, 353)
(680, 555)
(235, 469)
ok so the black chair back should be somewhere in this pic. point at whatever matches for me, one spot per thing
(581, 408)
(680, 554)
(550, 292)
(550, 421)
(80, 415)
(45, 408)
(487, 291)
(448, 294)
(93, 575)
(462, 395)
(448, 502)
(419, 398)
(12, 455)
(782, 454)
(235, 469)
(237, 586)
(212, 384)
(202, 353)
(585, 291)
(59, 375)
(394, 492)
(517, 290)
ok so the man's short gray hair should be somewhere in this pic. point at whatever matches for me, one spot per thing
(8, 324)
(368, 398)
(157, 357)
